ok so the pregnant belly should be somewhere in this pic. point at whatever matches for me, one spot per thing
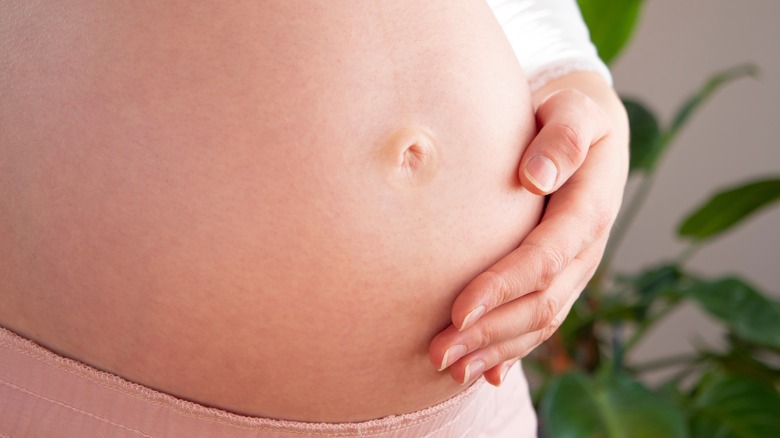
(267, 207)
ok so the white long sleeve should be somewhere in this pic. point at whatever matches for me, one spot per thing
(549, 37)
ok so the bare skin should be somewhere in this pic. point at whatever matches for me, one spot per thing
(267, 207)
(583, 130)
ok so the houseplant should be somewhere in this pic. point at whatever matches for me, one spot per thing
(586, 386)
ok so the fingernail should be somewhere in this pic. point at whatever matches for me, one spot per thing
(475, 368)
(451, 355)
(504, 372)
(472, 317)
(542, 172)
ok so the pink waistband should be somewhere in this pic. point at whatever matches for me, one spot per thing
(44, 394)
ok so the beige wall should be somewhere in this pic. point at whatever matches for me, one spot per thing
(735, 138)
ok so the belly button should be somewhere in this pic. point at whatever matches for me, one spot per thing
(411, 157)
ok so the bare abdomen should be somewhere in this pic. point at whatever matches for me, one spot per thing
(267, 207)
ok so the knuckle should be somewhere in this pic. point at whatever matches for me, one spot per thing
(499, 285)
(486, 334)
(546, 311)
(553, 260)
(602, 218)
(602, 222)
(574, 145)
(555, 323)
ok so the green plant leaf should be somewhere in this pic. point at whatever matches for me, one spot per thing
(646, 285)
(734, 406)
(705, 92)
(654, 280)
(610, 406)
(728, 208)
(746, 363)
(611, 24)
(746, 312)
(645, 135)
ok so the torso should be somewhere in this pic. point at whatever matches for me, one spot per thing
(266, 207)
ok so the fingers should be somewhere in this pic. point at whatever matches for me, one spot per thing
(498, 346)
(491, 360)
(570, 124)
(497, 375)
(541, 313)
(580, 154)
(531, 267)
(578, 216)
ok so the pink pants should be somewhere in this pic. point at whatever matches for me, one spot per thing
(43, 394)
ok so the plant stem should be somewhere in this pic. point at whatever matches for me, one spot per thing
(645, 325)
(617, 346)
(687, 253)
(608, 415)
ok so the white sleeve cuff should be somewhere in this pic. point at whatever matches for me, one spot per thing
(549, 38)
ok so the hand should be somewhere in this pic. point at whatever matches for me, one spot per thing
(581, 154)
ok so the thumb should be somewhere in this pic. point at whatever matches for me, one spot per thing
(570, 123)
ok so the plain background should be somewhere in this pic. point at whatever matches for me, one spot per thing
(733, 139)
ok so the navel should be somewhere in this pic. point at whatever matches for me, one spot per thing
(410, 157)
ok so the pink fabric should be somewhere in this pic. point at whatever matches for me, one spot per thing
(43, 394)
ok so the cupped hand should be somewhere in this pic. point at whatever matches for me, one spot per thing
(580, 156)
